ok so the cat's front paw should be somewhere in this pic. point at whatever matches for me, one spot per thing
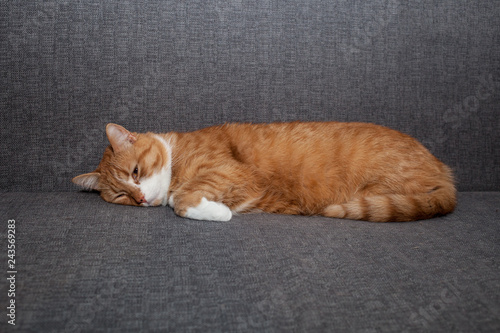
(209, 211)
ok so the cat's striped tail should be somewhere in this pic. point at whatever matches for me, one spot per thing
(397, 207)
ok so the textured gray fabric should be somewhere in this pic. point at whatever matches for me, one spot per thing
(427, 68)
(86, 265)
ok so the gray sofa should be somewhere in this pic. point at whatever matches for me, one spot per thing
(427, 68)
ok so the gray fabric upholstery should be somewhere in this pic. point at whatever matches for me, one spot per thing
(86, 265)
(427, 68)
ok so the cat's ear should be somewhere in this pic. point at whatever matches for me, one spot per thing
(89, 181)
(119, 137)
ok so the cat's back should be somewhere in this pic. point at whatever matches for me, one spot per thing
(297, 142)
(308, 132)
(304, 147)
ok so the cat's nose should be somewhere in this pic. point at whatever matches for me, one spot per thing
(141, 199)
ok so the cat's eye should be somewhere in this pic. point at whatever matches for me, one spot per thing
(135, 173)
(120, 195)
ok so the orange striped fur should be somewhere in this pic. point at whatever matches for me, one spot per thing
(344, 170)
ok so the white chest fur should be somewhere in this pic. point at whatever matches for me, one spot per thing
(155, 188)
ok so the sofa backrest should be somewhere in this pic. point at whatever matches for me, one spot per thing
(431, 70)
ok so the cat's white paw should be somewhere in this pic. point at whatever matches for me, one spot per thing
(209, 211)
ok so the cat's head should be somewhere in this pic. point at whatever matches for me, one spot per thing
(135, 169)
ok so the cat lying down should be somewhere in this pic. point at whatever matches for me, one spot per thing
(344, 170)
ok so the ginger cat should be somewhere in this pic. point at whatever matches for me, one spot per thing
(343, 170)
